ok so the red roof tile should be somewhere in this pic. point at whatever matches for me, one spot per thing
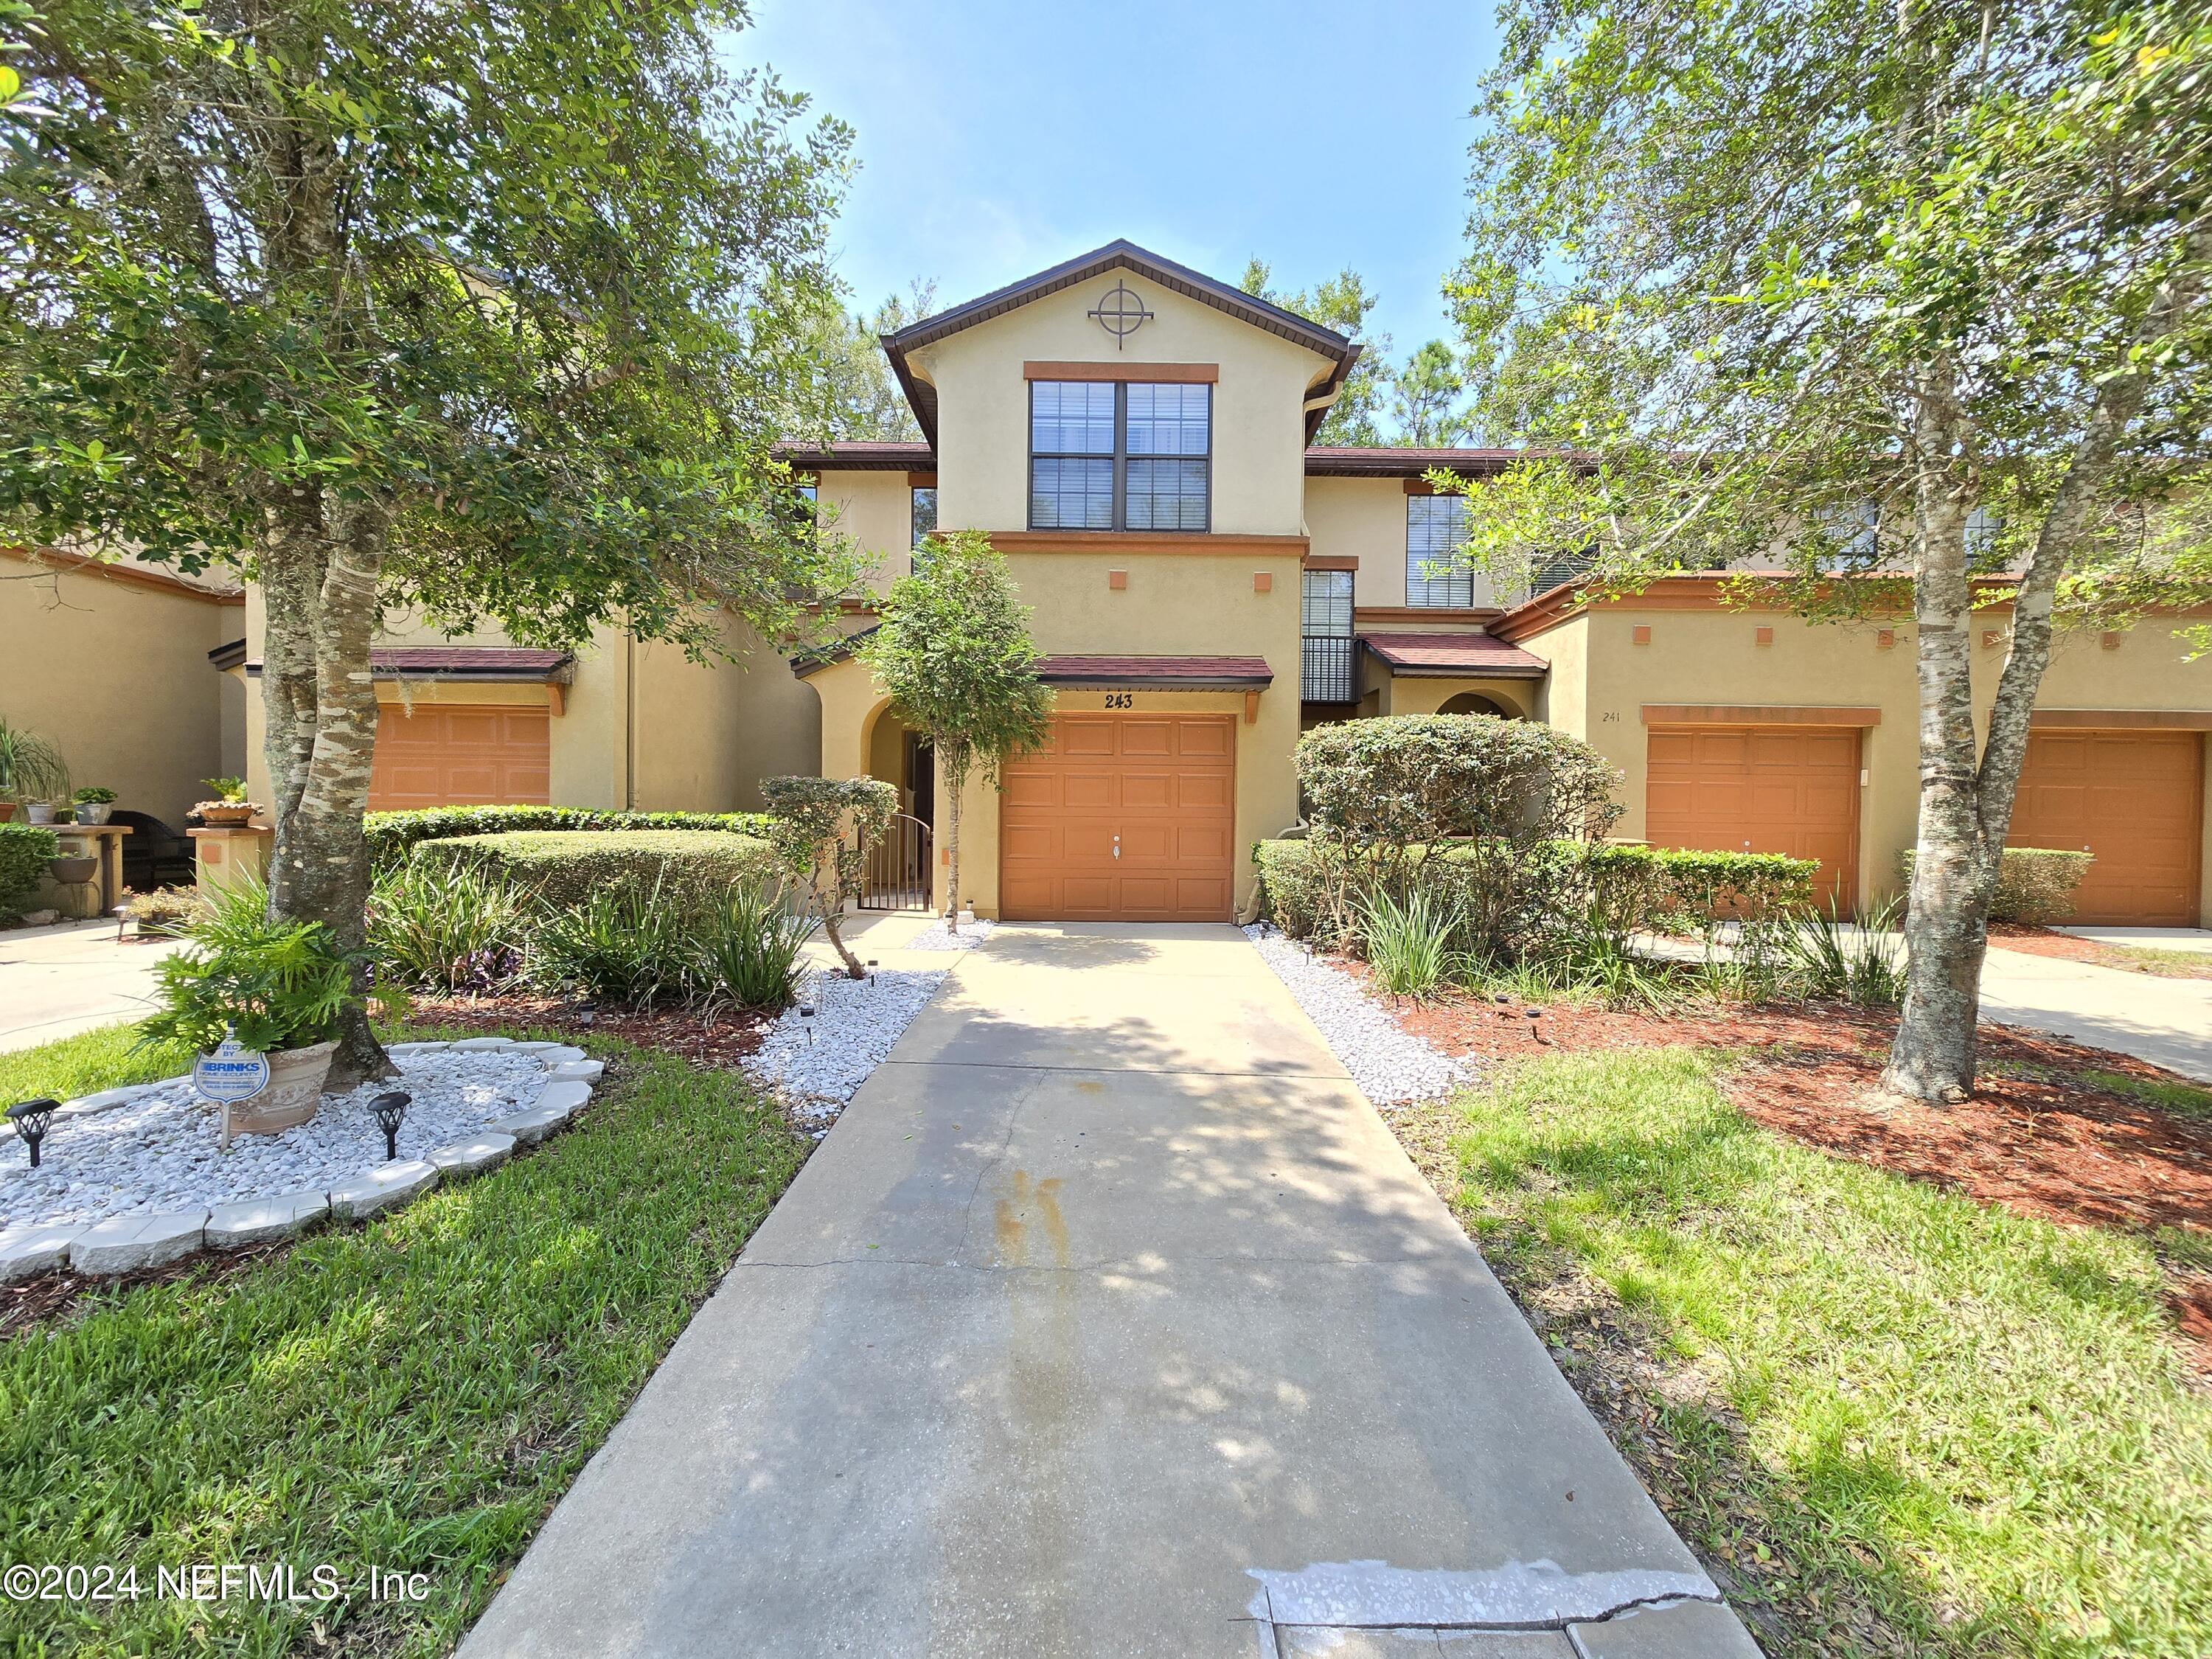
(1474, 654)
(1189, 673)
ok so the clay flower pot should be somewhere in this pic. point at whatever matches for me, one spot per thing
(294, 1093)
(225, 814)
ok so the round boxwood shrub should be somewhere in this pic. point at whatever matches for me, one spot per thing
(693, 868)
(1407, 780)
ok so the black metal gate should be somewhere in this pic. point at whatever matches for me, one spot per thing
(898, 868)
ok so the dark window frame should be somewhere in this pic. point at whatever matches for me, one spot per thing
(1119, 511)
(1449, 578)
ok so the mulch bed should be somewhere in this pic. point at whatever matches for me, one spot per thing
(31, 1303)
(2036, 1137)
(2046, 942)
(718, 1041)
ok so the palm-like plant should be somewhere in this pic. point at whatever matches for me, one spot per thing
(31, 769)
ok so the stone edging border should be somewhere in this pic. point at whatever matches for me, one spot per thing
(127, 1243)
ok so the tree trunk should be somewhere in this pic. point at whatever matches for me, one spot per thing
(955, 775)
(320, 701)
(831, 903)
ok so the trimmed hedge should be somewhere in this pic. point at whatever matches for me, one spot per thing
(564, 867)
(2035, 884)
(1404, 780)
(1634, 888)
(392, 836)
(24, 850)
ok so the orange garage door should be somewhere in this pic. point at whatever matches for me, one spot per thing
(1791, 789)
(459, 757)
(2135, 799)
(1120, 817)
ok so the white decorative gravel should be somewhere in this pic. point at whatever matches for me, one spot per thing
(816, 1062)
(157, 1152)
(1390, 1064)
(934, 936)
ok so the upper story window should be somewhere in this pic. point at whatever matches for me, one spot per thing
(1125, 455)
(1435, 526)
(923, 513)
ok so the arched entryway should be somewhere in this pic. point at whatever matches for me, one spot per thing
(1473, 703)
(900, 870)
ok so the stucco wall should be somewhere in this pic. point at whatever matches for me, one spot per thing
(1600, 679)
(1259, 432)
(874, 511)
(115, 674)
(1364, 519)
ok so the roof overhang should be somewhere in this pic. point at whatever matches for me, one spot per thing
(1102, 674)
(492, 665)
(1454, 657)
(1341, 352)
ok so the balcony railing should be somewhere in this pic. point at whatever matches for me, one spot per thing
(1326, 669)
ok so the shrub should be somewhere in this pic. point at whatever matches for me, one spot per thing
(277, 984)
(1642, 889)
(24, 850)
(624, 943)
(1407, 780)
(1865, 965)
(447, 929)
(693, 869)
(392, 836)
(1409, 944)
(748, 949)
(2035, 884)
(824, 828)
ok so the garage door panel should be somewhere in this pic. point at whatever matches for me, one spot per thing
(2135, 799)
(1162, 784)
(459, 756)
(1792, 790)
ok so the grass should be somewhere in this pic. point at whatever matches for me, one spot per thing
(2182, 1099)
(2167, 964)
(107, 1058)
(1903, 1420)
(411, 1396)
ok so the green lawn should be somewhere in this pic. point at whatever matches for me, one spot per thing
(412, 1397)
(2167, 964)
(1902, 1421)
(107, 1058)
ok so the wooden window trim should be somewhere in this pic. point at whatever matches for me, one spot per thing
(1681, 714)
(1199, 541)
(1153, 373)
(1330, 561)
(921, 480)
(2121, 720)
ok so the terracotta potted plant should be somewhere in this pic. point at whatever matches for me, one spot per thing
(32, 772)
(93, 803)
(229, 809)
(280, 987)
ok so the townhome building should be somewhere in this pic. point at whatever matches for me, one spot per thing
(1205, 584)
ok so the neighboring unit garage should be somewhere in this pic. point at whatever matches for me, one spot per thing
(1122, 817)
(1759, 781)
(2134, 798)
(446, 755)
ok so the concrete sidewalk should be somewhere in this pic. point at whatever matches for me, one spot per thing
(1109, 1320)
(56, 981)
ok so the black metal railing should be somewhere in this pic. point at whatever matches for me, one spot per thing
(898, 868)
(1325, 672)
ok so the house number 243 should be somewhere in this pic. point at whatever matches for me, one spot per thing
(1121, 700)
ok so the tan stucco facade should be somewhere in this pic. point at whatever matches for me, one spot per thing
(112, 666)
(1698, 655)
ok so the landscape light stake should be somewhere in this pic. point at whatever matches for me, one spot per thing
(806, 1014)
(872, 973)
(1535, 1029)
(389, 1109)
(122, 920)
(31, 1118)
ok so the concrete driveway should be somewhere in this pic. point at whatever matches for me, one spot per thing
(2167, 1022)
(1109, 1320)
(56, 981)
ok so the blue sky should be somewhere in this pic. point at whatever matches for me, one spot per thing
(998, 138)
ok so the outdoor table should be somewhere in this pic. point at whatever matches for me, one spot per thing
(107, 839)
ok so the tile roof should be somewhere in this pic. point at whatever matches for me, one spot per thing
(858, 455)
(1467, 654)
(1188, 673)
(474, 662)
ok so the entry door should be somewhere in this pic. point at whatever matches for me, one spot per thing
(1120, 817)
(2134, 799)
(1760, 789)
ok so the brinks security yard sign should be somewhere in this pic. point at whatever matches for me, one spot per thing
(231, 1073)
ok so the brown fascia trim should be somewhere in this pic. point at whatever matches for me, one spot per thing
(2121, 720)
(565, 674)
(1407, 613)
(1683, 714)
(1687, 592)
(225, 658)
(1332, 562)
(807, 663)
(855, 456)
(921, 480)
(1197, 543)
(1156, 374)
(1382, 461)
(1118, 255)
(1514, 672)
(52, 558)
